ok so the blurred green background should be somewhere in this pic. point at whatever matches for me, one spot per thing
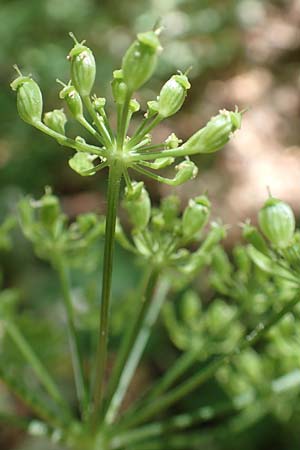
(243, 52)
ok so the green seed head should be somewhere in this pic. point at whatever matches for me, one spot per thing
(277, 222)
(73, 100)
(119, 88)
(83, 67)
(172, 95)
(140, 60)
(195, 216)
(29, 99)
(138, 205)
(56, 120)
(215, 134)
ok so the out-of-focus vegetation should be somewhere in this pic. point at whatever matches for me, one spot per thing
(243, 52)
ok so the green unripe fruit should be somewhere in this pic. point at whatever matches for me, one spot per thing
(119, 87)
(242, 259)
(191, 307)
(254, 237)
(73, 100)
(98, 104)
(56, 120)
(277, 222)
(140, 60)
(134, 106)
(172, 95)
(215, 134)
(49, 209)
(138, 205)
(172, 141)
(83, 68)
(29, 99)
(152, 108)
(195, 216)
(186, 170)
(170, 208)
(82, 163)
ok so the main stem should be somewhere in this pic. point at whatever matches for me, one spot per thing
(114, 180)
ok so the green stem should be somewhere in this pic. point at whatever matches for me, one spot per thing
(36, 365)
(107, 124)
(138, 137)
(90, 129)
(99, 122)
(141, 126)
(114, 181)
(141, 341)
(154, 176)
(80, 384)
(34, 402)
(210, 369)
(123, 122)
(170, 440)
(63, 140)
(182, 364)
(145, 150)
(118, 385)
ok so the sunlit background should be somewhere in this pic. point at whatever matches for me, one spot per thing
(241, 52)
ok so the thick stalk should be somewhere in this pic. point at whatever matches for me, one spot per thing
(118, 385)
(80, 384)
(36, 365)
(210, 369)
(114, 180)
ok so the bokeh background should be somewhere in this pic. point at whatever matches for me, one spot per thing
(242, 52)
